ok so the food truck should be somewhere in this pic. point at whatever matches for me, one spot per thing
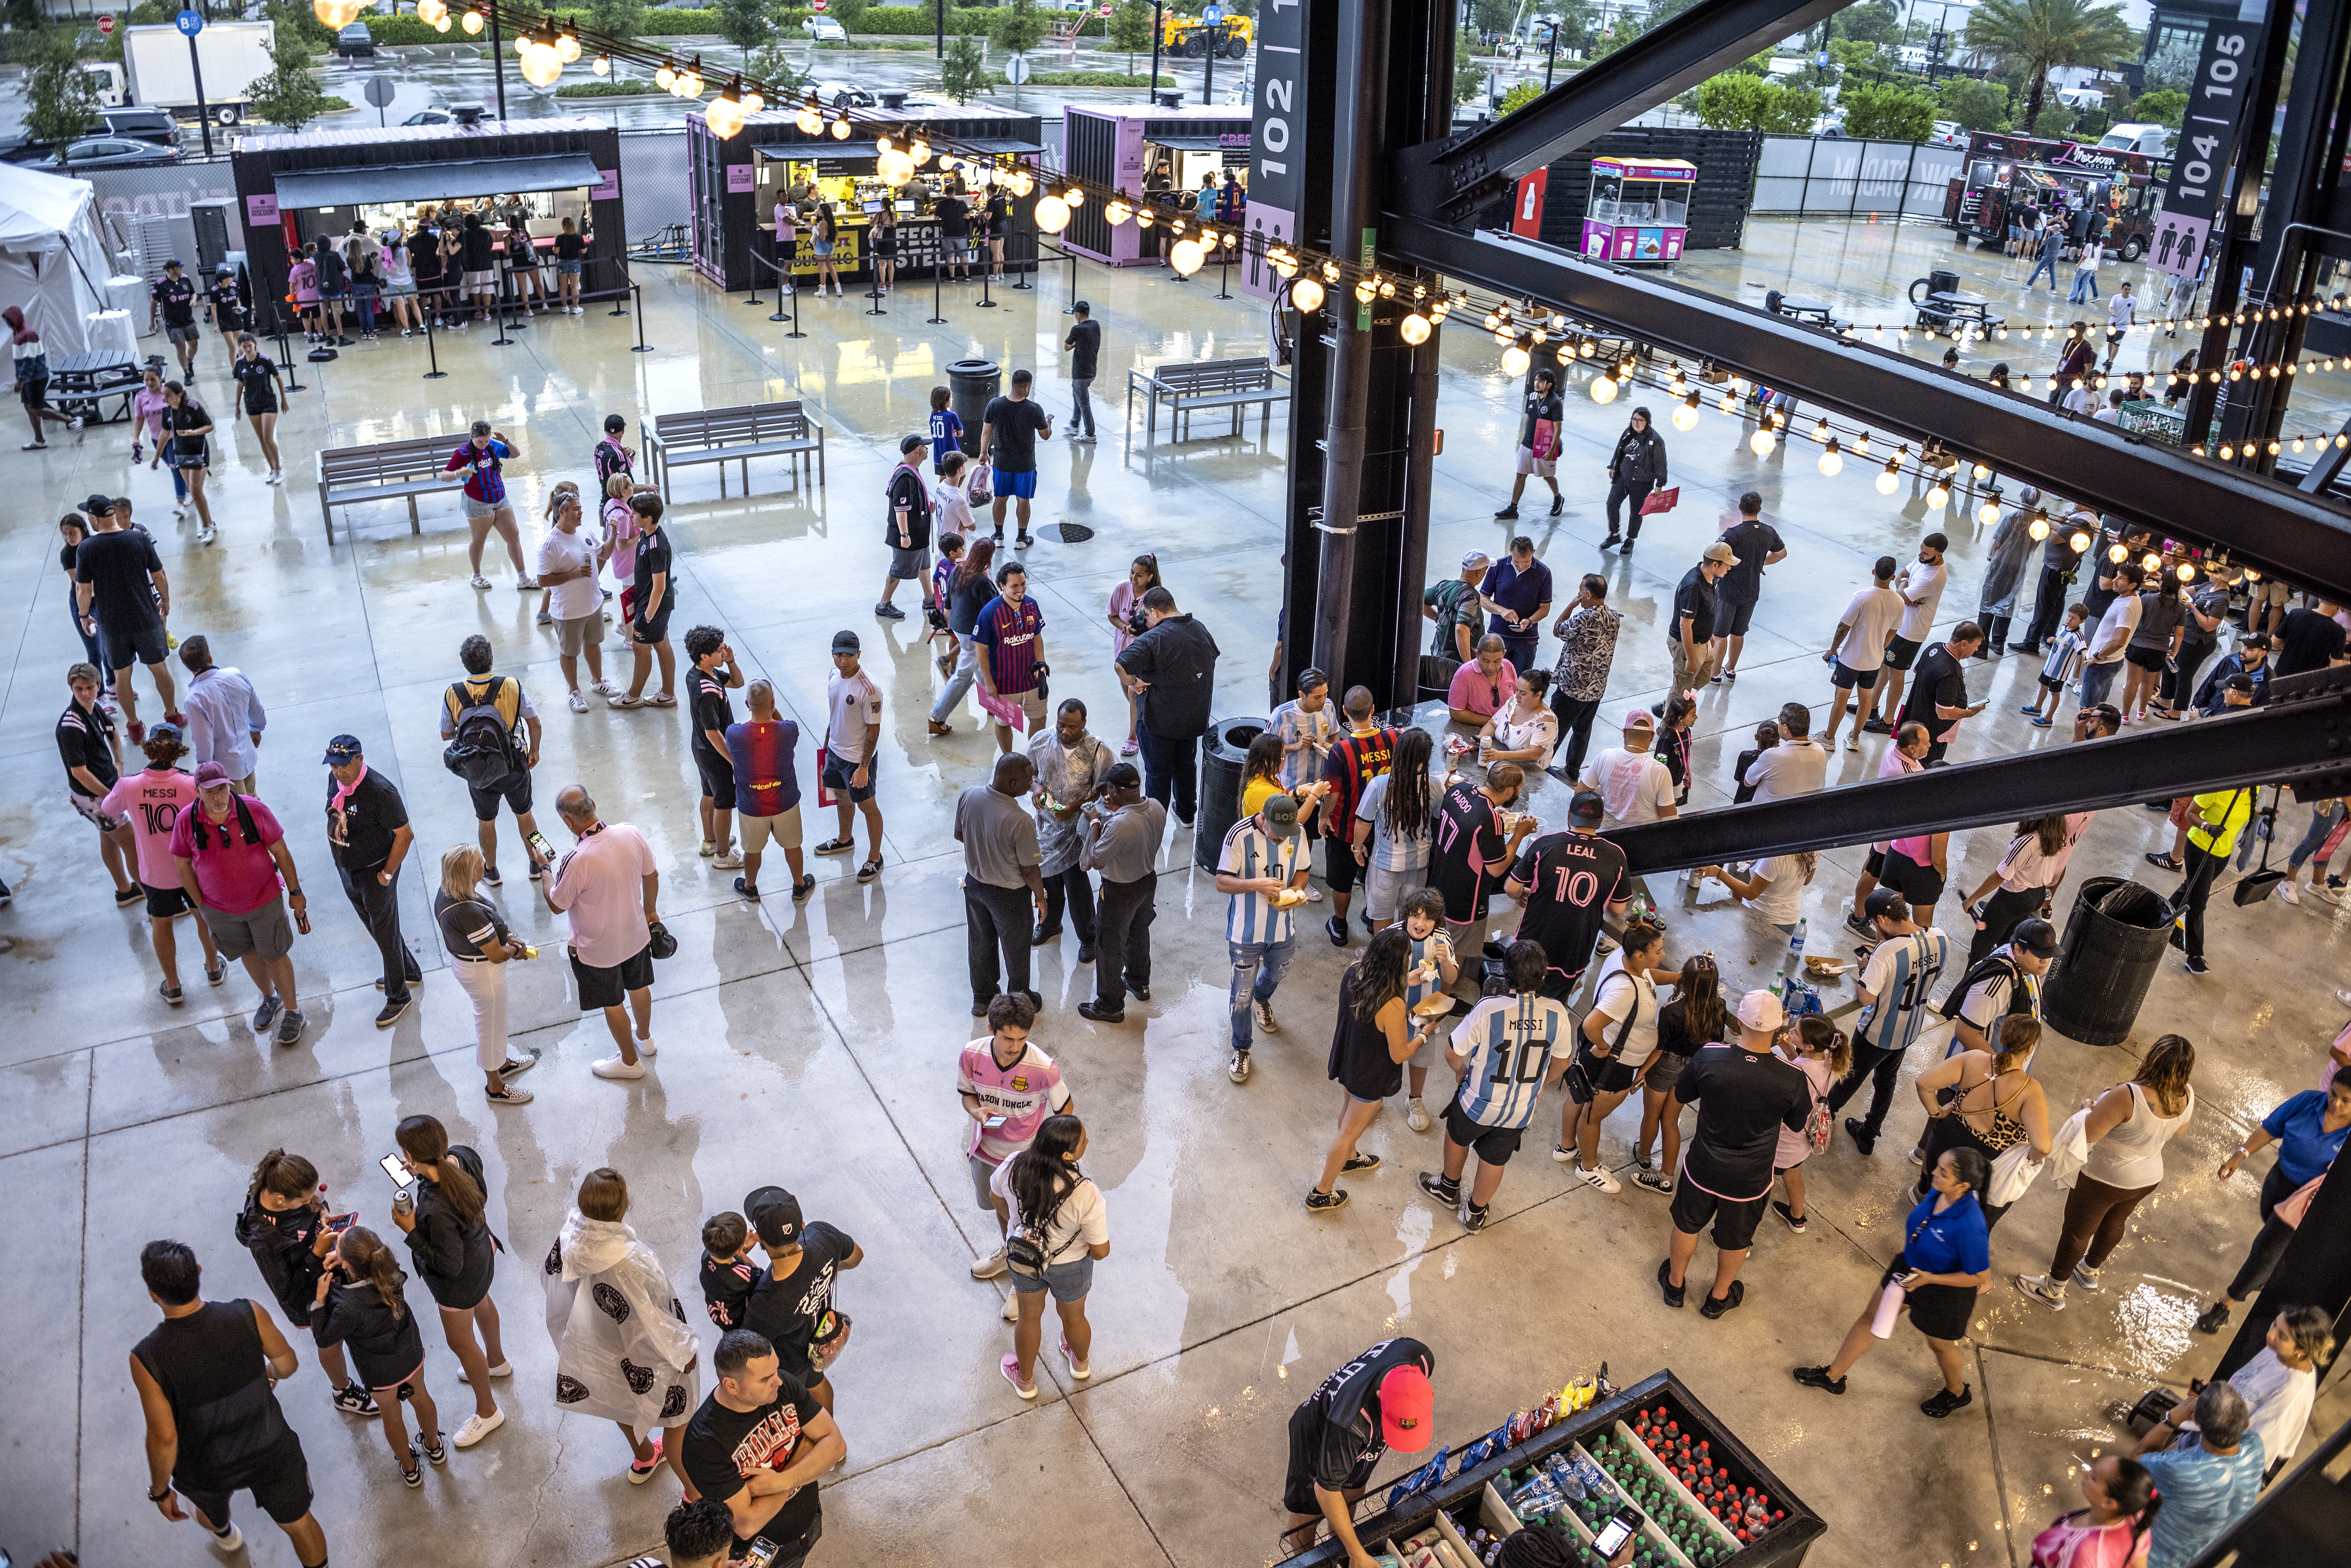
(1138, 151)
(1639, 210)
(2021, 181)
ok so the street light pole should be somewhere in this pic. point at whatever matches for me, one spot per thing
(1553, 59)
(1158, 31)
(498, 59)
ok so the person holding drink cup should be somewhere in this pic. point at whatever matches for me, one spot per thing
(480, 948)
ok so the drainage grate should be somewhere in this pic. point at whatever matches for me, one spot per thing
(1075, 533)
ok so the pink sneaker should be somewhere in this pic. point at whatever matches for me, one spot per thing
(1010, 1368)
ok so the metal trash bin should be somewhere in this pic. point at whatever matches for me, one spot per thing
(2113, 939)
(971, 384)
(1221, 758)
(1436, 676)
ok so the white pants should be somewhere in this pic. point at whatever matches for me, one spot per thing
(486, 987)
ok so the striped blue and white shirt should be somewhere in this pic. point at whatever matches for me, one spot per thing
(1506, 1045)
(1250, 853)
(1901, 972)
(1435, 947)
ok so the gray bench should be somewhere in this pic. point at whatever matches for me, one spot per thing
(405, 469)
(724, 435)
(1207, 383)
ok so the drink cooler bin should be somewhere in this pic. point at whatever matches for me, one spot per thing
(1466, 1499)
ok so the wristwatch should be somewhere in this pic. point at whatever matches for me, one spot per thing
(160, 1496)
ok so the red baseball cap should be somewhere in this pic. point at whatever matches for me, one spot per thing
(1405, 1404)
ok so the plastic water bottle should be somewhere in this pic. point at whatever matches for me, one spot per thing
(1792, 967)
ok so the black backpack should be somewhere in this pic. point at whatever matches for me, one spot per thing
(482, 751)
(330, 268)
(2018, 994)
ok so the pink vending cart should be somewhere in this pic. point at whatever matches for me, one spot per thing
(1639, 209)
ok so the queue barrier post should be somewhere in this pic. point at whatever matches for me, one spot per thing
(939, 271)
(432, 353)
(639, 290)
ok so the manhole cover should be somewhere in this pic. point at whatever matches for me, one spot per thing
(1075, 533)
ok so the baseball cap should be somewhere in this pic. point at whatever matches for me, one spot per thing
(343, 749)
(212, 775)
(844, 642)
(1587, 806)
(910, 442)
(164, 730)
(1123, 776)
(1281, 816)
(1720, 551)
(1407, 1403)
(1082, 305)
(95, 504)
(173, 262)
(1638, 717)
(1477, 558)
(1762, 1010)
(775, 1214)
(1886, 902)
(2035, 936)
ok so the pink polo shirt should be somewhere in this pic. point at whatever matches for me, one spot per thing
(232, 875)
(600, 886)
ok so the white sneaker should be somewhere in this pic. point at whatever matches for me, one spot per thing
(614, 1067)
(1313, 895)
(503, 1369)
(1238, 1068)
(730, 861)
(1416, 1116)
(2324, 893)
(579, 702)
(647, 1048)
(179, 509)
(1598, 1177)
(990, 1267)
(605, 689)
(480, 581)
(225, 1545)
(206, 534)
(1265, 1017)
(276, 477)
(2287, 891)
(477, 1428)
(1011, 1313)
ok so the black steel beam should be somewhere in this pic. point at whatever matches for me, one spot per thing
(2303, 732)
(2305, 538)
(1451, 180)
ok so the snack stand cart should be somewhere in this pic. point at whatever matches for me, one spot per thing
(1639, 210)
(1122, 149)
(1612, 1451)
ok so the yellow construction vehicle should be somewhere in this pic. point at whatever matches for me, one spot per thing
(1189, 38)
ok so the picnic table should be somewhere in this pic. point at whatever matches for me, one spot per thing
(79, 384)
(1949, 307)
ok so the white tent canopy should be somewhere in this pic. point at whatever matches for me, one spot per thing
(53, 257)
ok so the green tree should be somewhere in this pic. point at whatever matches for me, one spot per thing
(1130, 29)
(771, 65)
(848, 13)
(2039, 35)
(288, 95)
(1736, 101)
(746, 24)
(1873, 113)
(1870, 22)
(61, 102)
(1469, 81)
(963, 71)
(2164, 106)
(1017, 27)
(1519, 97)
(2054, 121)
(1976, 105)
(1574, 20)
(616, 18)
(1492, 16)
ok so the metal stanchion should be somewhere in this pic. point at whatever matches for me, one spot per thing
(618, 308)
(985, 274)
(285, 352)
(795, 297)
(1040, 262)
(432, 354)
(939, 271)
(875, 293)
(498, 314)
(1224, 272)
(1072, 307)
(639, 290)
(753, 299)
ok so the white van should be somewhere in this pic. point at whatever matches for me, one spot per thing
(2154, 140)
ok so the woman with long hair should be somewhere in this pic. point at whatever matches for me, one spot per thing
(2128, 1126)
(480, 948)
(2280, 1385)
(1054, 1204)
(284, 1225)
(259, 398)
(74, 528)
(456, 1256)
(1618, 1036)
(2112, 1531)
(522, 264)
(884, 235)
(823, 234)
(602, 1357)
(1946, 1259)
(1125, 615)
(150, 800)
(1821, 1051)
(1374, 1039)
(148, 407)
(399, 280)
(2027, 877)
(1696, 1016)
(1393, 842)
(969, 588)
(1526, 730)
(362, 1300)
(1260, 773)
(192, 428)
(1673, 745)
(1986, 1101)
(1774, 887)
(2154, 644)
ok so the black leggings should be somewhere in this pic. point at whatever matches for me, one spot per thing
(1618, 495)
(2270, 1245)
(2003, 912)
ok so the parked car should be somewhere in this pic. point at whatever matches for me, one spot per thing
(355, 42)
(112, 153)
(823, 28)
(431, 117)
(154, 125)
(1948, 133)
(847, 98)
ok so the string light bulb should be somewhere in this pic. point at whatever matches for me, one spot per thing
(1365, 291)
(434, 14)
(1686, 412)
(1763, 441)
(2186, 571)
(724, 115)
(1053, 216)
(920, 151)
(1076, 196)
(1832, 460)
(603, 66)
(566, 46)
(1821, 432)
(1307, 295)
(2038, 528)
(894, 168)
(473, 23)
(2152, 564)
(1603, 390)
(1938, 495)
(1982, 473)
(1861, 445)
(1414, 329)
(1515, 359)
(1117, 210)
(1989, 513)
(2080, 542)
(665, 79)
(2118, 554)
(1186, 256)
(1890, 479)
(840, 128)
(1728, 403)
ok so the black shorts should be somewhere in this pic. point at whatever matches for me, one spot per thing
(139, 645)
(717, 778)
(2048, 684)
(514, 790)
(1731, 616)
(837, 770)
(1492, 1146)
(163, 902)
(1298, 1487)
(1846, 678)
(1901, 653)
(601, 989)
(1734, 1219)
(1919, 885)
(253, 405)
(1938, 1311)
(656, 630)
(2146, 659)
(279, 1482)
(1589, 1075)
(1339, 868)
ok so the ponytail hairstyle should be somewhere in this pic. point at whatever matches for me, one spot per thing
(1042, 1179)
(2312, 1330)
(425, 1141)
(1642, 935)
(290, 1176)
(1699, 992)
(2018, 1037)
(1405, 810)
(2164, 1073)
(1821, 1037)
(365, 1255)
(1679, 708)
(555, 497)
(2134, 1495)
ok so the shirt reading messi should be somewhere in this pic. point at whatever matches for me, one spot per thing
(1507, 1044)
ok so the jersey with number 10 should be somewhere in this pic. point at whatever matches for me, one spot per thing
(1506, 1044)
(1572, 879)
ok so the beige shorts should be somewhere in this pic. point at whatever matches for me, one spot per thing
(784, 827)
(2268, 591)
(1031, 704)
(579, 634)
(1541, 468)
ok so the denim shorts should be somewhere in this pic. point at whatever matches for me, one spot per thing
(567, 268)
(1069, 1281)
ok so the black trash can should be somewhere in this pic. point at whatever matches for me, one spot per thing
(1436, 676)
(971, 385)
(2113, 939)
(1221, 757)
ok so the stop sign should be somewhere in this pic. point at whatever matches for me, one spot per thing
(817, 5)
(106, 25)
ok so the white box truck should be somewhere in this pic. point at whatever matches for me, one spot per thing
(157, 73)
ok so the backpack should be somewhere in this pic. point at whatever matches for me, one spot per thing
(330, 268)
(482, 751)
(198, 829)
(1991, 964)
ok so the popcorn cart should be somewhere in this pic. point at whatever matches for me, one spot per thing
(1639, 210)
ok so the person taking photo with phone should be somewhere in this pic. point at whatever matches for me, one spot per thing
(287, 1230)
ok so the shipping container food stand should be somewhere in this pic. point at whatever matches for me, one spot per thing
(1123, 149)
(1636, 1446)
(1639, 210)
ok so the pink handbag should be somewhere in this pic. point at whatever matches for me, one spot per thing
(2297, 1203)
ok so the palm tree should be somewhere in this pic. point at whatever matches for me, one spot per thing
(2039, 34)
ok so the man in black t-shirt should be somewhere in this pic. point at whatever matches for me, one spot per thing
(708, 714)
(171, 304)
(2309, 640)
(1744, 1095)
(1538, 448)
(1691, 635)
(92, 753)
(123, 595)
(1757, 545)
(368, 832)
(1084, 343)
(1564, 884)
(792, 1303)
(653, 594)
(227, 301)
(1009, 430)
(1380, 1400)
(906, 527)
(756, 1447)
(1939, 690)
(1171, 671)
(1471, 851)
